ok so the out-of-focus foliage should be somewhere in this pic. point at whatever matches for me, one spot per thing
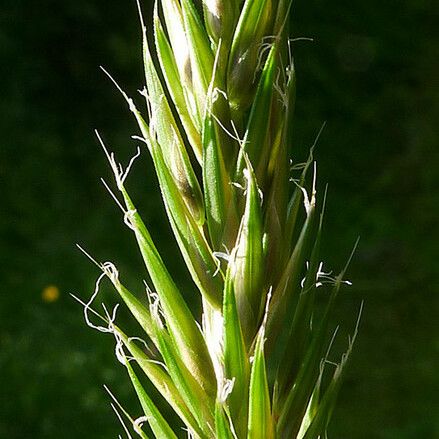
(371, 73)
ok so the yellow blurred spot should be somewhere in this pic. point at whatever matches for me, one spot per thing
(50, 294)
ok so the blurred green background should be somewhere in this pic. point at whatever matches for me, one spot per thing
(371, 73)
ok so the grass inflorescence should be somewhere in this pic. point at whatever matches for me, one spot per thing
(220, 96)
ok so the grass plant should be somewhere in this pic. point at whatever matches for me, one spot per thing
(220, 95)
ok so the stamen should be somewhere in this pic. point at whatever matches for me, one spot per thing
(119, 174)
(91, 310)
(128, 219)
(140, 138)
(226, 389)
(88, 304)
(263, 48)
(222, 255)
(137, 424)
(131, 162)
(120, 354)
(281, 92)
(293, 40)
(216, 92)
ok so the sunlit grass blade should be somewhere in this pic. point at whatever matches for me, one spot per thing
(236, 362)
(281, 20)
(161, 380)
(257, 142)
(293, 407)
(196, 251)
(139, 311)
(180, 47)
(223, 428)
(158, 424)
(255, 22)
(175, 88)
(296, 401)
(275, 218)
(200, 54)
(313, 405)
(300, 330)
(135, 423)
(323, 411)
(247, 260)
(216, 182)
(170, 140)
(278, 176)
(182, 325)
(260, 421)
(295, 203)
(285, 295)
(220, 18)
(295, 404)
(195, 397)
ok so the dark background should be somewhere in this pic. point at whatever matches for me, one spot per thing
(371, 73)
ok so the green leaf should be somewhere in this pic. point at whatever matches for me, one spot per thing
(220, 17)
(296, 402)
(196, 399)
(300, 331)
(247, 261)
(176, 90)
(180, 47)
(236, 364)
(285, 295)
(253, 25)
(326, 406)
(182, 324)
(159, 426)
(137, 428)
(162, 382)
(222, 423)
(216, 182)
(260, 421)
(200, 54)
(257, 140)
(170, 141)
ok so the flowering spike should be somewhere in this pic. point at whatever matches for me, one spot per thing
(220, 95)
